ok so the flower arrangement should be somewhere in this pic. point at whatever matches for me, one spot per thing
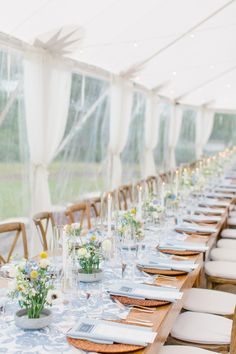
(90, 253)
(171, 199)
(153, 208)
(127, 222)
(32, 284)
(73, 230)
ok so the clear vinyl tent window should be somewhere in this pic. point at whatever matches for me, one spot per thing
(161, 150)
(78, 170)
(14, 151)
(185, 149)
(132, 156)
(223, 133)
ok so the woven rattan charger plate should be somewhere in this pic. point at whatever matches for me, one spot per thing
(194, 233)
(179, 252)
(102, 348)
(162, 271)
(139, 302)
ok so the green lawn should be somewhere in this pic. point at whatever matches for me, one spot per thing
(15, 188)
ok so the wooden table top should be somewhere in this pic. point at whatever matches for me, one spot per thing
(164, 317)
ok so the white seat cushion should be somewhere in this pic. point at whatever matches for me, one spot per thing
(226, 243)
(232, 214)
(203, 328)
(209, 301)
(231, 221)
(183, 349)
(228, 233)
(221, 269)
(223, 254)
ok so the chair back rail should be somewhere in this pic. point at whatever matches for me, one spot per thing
(83, 210)
(19, 229)
(42, 222)
(95, 207)
(122, 201)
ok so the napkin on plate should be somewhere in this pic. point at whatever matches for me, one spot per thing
(195, 228)
(220, 195)
(183, 246)
(209, 211)
(106, 332)
(144, 291)
(215, 202)
(169, 264)
(202, 218)
(230, 189)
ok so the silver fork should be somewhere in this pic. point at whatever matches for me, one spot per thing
(159, 276)
(137, 307)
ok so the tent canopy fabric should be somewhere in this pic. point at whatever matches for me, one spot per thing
(183, 50)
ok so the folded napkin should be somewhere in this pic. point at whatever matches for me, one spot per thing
(195, 228)
(230, 176)
(220, 195)
(209, 211)
(226, 189)
(228, 186)
(183, 246)
(106, 332)
(215, 202)
(169, 264)
(202, 218)
(144, 291)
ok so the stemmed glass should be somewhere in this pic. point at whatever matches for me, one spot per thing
(92, 294)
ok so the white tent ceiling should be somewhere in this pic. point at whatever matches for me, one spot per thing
(183, 49)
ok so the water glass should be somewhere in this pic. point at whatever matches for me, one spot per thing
(93, 295)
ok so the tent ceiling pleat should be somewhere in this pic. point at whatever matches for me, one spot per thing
(184, 50)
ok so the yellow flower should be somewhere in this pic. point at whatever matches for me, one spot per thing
(93, 238)
(34, 274)
(133, 211)
(82, 252)
(43, 255)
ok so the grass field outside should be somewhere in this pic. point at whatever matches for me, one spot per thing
(67, 184)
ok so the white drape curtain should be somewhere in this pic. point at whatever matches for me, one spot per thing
(121, 107)
(204, 125)
(176, 115)
(47, 87)
(152, 120)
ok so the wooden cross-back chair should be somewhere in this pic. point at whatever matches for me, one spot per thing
(80, 213)
(42, 222)
(95, 207)
(151, 182)
(219, 348)
(104, 206)
(19, 229)
(165, 177)
(213, 282)
(125, 196)
(122, 201)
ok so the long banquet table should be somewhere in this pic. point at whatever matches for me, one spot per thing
(165, 316)
(52, 339)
